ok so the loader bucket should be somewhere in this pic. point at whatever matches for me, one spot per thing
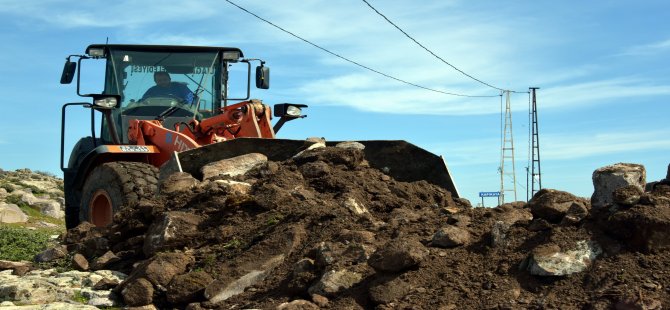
(401, 160)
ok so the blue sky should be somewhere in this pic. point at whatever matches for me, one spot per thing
(600, 65)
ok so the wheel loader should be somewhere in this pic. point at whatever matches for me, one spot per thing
(202, 114)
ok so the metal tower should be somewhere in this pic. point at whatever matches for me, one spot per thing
(535, 175)
(507, 178)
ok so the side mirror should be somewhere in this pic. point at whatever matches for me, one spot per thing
(262, 77)
(68, 72)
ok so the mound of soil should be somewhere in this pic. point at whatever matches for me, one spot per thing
(324, 230)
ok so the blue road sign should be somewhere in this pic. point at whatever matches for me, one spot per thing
(489, 194)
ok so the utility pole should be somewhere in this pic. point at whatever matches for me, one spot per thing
(507, 154)
(535, 175)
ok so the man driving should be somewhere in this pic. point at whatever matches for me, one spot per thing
(166, 88)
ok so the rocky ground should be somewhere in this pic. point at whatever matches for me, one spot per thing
(25, 194)
(324, 230)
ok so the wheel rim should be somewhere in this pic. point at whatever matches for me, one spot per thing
(101, 208)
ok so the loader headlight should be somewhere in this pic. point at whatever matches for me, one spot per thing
(105, 102)
(290, 110)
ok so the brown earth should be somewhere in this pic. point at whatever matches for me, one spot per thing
(326, 231)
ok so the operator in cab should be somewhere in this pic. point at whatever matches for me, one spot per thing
(166, 88)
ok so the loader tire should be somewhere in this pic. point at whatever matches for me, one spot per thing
(112, 186)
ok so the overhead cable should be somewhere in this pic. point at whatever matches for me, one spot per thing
(354, 62)
(436, 56)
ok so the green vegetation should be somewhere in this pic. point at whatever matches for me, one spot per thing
(274, 219)
(7, 187)
(78, 297)
(233, 244)
(22, 244)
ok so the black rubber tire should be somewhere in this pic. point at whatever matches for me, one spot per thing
(72, 192)
(125, 183)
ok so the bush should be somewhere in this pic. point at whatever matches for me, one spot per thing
(22, 244)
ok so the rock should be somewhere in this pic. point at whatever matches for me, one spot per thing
(642, 228)
(171, 230)
(80, 262)
(234, 166)
(514, 212)
(51, 208)
(298, 304)
(11, 213)
(105, 284)
(51, 254)
(319, 300)
(389, 290)
(575, 214)
(499, 234)
(162, 268)
(176, 183)
(463, 203)
(627, 196)
(553, 205)
(351, 145)
(549, 260)
(139, 292)
(220, 290)
(609, 178)
(398, 255)
(105, 260)
(40, 287)
(188, 287)
(539, 225)
(334, 281)
(235, 187)
(451, 236)
(353, 205)
(18, 268)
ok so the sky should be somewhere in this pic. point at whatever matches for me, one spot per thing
(603, 97)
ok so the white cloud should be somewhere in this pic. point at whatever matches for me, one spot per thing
(647, 49)
(558, 147)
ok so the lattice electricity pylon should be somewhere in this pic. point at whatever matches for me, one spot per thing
(535, 175)
(507, 177)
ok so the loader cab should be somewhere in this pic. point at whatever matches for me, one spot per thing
(201, 81)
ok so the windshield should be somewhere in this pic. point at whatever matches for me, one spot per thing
(150, 82)
(171, 86)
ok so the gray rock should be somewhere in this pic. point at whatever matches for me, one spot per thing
(551, 261)
(51, 208)
(170, 231)
(499, 234)
(18, 268)
(51, 254)
(451, 236)
(234, 166)
(397, 255)
(609, 178)
(351, 145)
(334, 281)
(11, 213)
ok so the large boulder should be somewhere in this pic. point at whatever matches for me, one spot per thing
(232, 166)
(549, 260)
(11, 213)
(553, 205)
(609, 178)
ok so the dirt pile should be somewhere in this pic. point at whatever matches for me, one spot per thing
(325, 230)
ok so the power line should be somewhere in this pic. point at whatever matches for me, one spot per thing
(436, 56)
(354, 62)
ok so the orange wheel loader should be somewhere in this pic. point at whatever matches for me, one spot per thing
(174, 107)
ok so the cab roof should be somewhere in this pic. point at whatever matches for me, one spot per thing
(163, 48)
